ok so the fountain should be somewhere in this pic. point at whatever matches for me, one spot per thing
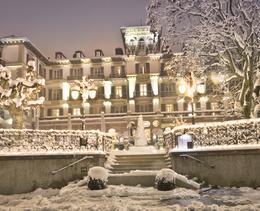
(140, 138)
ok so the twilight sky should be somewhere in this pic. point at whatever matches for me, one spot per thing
(69, 25)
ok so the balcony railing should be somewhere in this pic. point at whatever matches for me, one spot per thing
(116, 75)
(96, 76)
(142, 94)
(168, 94)
(74, 77)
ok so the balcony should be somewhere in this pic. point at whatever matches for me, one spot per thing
(148, 94)
(74, 77)
(96, 76)
(116, 75)
(168, 94)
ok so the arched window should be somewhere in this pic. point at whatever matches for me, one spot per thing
(141, 43)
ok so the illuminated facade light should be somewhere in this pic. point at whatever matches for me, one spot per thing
(75, 94)
(92, 93)
(65, 91)
(182, 87)
(107, 89)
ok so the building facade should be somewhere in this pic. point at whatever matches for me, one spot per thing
(130, 83)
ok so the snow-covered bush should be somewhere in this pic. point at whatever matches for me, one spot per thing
(97, 178)
(165, 179)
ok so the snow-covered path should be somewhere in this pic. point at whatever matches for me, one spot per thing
(117, 198)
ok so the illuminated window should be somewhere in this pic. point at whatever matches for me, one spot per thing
(143, 89)
(169, 108)
(55, 112)
(118, 90)
(76, 111)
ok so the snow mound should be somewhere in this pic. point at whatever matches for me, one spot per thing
(167, 174)
(98, 173)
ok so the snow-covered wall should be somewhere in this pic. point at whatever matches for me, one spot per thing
(237, 132)
(24, 141)
(27, 172)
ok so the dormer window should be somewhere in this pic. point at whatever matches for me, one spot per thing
(141, 43)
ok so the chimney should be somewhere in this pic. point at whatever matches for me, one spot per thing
(98, 53)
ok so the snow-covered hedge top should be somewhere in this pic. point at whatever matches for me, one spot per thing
(98, 172)
(238, 132)
(213, 124)
(24, 141)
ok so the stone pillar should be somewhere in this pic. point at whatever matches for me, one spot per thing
(37, 120)
(156, 105)
(69, 122)
(103, 123)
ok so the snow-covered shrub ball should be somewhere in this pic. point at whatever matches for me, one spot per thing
(97, 178)
(165, 179)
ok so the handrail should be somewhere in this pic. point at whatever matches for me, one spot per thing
(198, 160)
(72, 164)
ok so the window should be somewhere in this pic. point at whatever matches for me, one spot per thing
(143, 89)
(55, 74)
(169, 108)
(42, 71)
(98, 71)
(76, 73)
(55, 94)
(119, 109)
(141, 68)
(118, 91)
(55, 112)
(144, 108)
(141, 43)
(168, 89)
(95, 109)
(76, 111)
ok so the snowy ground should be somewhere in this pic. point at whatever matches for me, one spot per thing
(125, 198)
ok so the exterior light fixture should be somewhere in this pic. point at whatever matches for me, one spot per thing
(75, 94)
(182, 87)
(92, 93)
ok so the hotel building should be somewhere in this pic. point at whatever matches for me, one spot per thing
(129, 83)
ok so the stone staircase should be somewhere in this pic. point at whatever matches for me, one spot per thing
(125, 162)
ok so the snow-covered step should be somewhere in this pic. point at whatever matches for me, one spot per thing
(147, 179)
(126, 162)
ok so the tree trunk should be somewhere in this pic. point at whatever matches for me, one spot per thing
(17, 116)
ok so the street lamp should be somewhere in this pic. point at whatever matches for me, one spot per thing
(87, 89)
(190, 88)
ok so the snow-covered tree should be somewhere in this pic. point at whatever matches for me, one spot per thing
(19, 94)
(223, 33)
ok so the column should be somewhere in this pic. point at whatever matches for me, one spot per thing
(131, 85)
(154, 82)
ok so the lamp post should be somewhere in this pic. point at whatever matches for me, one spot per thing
(191, 95)
(87, 89)
(188, 87)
